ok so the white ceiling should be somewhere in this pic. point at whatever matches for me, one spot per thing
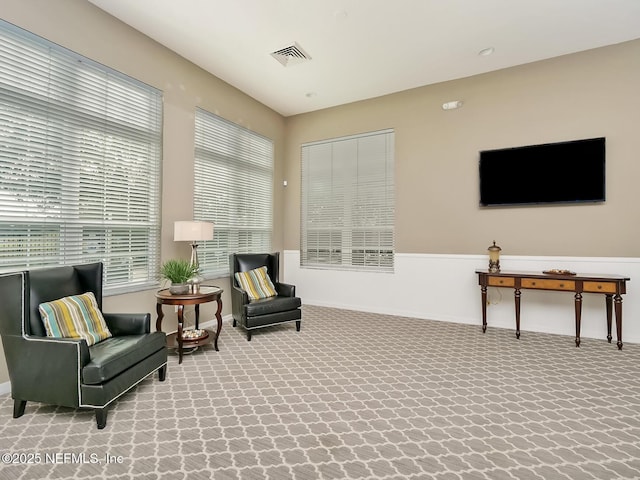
(362, 49)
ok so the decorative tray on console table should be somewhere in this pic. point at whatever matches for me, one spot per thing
(555, 271)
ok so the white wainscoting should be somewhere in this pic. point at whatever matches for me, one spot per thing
(445, 287)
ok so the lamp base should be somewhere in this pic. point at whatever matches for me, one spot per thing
(195, 281)
(194, 284)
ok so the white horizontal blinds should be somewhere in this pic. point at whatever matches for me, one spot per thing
(233, 188)
(348, 202)
(80, 149)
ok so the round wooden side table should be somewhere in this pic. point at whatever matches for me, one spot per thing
(206, 294)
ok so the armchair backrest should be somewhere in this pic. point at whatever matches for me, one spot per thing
(243, 262)
(21, 293)
(47, 284)
(14, 304)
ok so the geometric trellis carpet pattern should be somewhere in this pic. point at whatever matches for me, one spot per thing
(354, 396)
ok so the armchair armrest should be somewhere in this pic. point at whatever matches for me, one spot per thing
(128, 323)
(45, 369)
(239, 298)
(285, 289)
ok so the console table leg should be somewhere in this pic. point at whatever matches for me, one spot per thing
(578, 304)
(618, 305)
(483, 290)
(517, 300)
(608, 304)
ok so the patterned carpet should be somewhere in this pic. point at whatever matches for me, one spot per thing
(355, 396)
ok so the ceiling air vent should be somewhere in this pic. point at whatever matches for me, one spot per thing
(291, 55)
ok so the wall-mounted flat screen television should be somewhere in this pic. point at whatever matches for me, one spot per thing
(564, 172)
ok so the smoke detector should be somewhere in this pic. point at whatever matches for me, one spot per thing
(291, 55)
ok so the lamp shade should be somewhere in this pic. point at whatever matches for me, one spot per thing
(192, 230)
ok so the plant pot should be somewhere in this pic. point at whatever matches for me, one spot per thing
(179, 289)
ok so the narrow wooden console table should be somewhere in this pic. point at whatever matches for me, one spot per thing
(611, 286)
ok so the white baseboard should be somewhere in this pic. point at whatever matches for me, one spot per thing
(5, 388)
(445, 287)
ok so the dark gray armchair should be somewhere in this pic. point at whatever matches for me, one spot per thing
(65, 371)
(264, 312)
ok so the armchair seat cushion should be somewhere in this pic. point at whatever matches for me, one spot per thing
(277, 304)
(273, 319)
(114, 355)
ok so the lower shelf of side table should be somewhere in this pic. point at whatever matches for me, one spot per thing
(172, 340)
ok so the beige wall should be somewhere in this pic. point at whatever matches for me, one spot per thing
(583, 95)
(79, 26)
(589, 94)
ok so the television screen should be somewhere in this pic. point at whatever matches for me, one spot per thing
(565, 172)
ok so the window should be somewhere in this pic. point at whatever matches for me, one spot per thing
(80, 148)
(348, 203)
(233, 188)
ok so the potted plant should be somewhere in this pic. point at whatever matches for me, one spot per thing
(178, 272)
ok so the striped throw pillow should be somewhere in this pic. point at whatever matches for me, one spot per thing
(256, 283)
(77, 316)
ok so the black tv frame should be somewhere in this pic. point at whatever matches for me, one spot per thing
(570, 172)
